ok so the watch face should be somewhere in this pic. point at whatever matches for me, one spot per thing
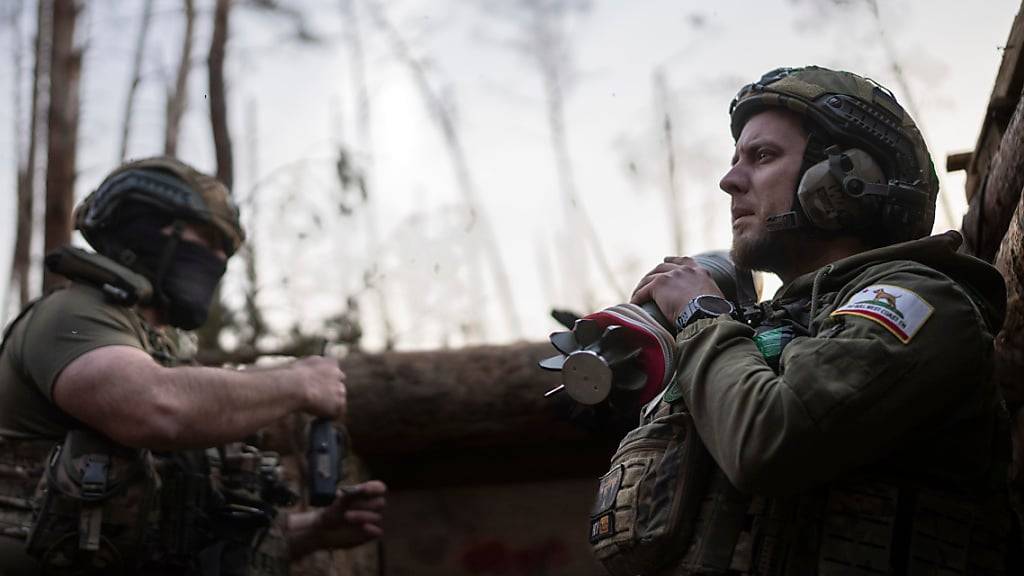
(715, 305)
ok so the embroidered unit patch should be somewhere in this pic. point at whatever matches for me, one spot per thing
(899, 310)
(602, 527)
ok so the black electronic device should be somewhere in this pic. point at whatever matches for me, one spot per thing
(324, 458)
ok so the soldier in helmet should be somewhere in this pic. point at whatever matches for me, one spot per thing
(850, 423)
(151, 476)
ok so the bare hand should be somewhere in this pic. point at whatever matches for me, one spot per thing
(673, 283)
(355, 517)
(324, 383)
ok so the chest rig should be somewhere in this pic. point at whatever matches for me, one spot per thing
(870, 523)
(95, 507)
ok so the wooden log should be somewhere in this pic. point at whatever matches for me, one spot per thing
(1005, 92)
(456, 417)
(1009, 345)
(461, 416)
(991, 209)
(1010, 341)
(483, 396)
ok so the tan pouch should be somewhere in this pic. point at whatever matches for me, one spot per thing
(647, 502)
(96, 502)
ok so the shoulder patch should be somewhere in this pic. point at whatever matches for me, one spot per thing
(899, 310)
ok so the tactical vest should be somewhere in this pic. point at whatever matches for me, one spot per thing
(869, 524)
(89, 506)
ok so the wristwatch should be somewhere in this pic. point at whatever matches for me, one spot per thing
(704, 306)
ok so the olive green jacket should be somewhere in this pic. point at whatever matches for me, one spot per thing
(859, 390)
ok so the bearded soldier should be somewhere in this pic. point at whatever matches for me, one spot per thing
(848, 425)
(150, 476)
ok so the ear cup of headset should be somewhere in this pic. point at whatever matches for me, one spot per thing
(831, 191)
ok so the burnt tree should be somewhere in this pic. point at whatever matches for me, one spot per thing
(26, 188)
(136, 78)
(177, 96)
(65, 72)
(218, 96)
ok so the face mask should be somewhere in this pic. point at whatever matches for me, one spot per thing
(189, 285)
(190, 278)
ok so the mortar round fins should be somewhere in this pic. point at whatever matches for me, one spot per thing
(553, 363)
(564, 342)
(587, 332)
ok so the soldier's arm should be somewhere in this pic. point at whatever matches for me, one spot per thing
(122, 392)
(841, 400)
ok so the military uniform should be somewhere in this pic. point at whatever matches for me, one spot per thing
(855, 431)
(39, 345)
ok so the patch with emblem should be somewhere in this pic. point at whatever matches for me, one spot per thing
(602, 527)
(608, 490)
(899, 310)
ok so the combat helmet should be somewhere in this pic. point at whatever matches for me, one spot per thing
(869, 170)
(167, 185)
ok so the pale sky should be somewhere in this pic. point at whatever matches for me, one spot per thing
(300, 102)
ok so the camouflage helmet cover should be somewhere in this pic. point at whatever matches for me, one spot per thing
(855, 112)
(169, 185)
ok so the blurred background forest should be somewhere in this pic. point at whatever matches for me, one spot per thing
(429, 174)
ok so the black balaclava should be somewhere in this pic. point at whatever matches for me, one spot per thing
(184, 274)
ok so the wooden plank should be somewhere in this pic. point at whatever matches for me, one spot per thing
(958, 161)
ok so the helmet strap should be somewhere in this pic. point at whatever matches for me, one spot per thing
(791, 220)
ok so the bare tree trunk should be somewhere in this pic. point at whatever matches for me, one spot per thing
(442, 116)
(672, 188)
(357, 63)
(992, 207)
(177, 100)
(21, 263)
(133, 86)
(218, 97)
(209, 333)
(65, 71)
(17, 278)
(254, 316)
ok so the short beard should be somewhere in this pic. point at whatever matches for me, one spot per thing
(774, 252)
